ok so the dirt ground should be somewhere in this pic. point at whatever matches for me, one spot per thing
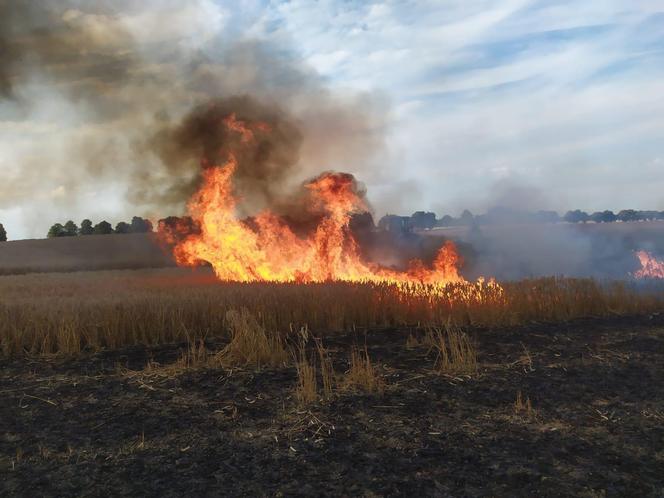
(97, 426)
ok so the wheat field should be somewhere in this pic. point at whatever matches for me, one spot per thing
(67, 313)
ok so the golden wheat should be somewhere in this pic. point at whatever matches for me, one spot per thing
(88, 311)
(455, 353)
(251, 344)
(306, 391)
(362, 374)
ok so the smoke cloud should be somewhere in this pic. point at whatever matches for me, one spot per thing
(118, 97)
(203, 138)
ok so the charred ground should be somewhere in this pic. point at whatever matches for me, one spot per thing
(104, 424)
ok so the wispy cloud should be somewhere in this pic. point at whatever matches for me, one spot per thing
(563, 95)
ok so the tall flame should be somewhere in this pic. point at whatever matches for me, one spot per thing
(651, 267)
(269, 250)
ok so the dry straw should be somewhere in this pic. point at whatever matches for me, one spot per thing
(455, 352)
(74, 313)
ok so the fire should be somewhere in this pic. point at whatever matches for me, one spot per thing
(267, 249)
(651, 267)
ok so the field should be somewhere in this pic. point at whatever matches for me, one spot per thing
(516, 251)
(88, 311)
(92, 252)
(168, 382)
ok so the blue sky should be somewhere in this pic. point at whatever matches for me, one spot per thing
(559, 102)
(542, 104)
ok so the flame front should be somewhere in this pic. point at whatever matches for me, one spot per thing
(269, 250)
(651, 267)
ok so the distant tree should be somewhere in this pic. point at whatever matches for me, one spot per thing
(122, 227)
(3, 234)
(71, 230)
(86, 228)
(423, 220)
(628, 215)
(466, 218)
(140, 225)
(603, 217)
(103, 228)
(174, 229)
(647, 215)
(361, 222)
(445, 221)
(56, 230)
(394, 223)
(576, 216)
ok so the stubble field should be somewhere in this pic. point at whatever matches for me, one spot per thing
(167, 382)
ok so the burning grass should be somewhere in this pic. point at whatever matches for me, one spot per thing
(74, 313)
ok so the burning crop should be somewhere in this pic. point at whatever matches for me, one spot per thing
(267, 248)
(651, 267)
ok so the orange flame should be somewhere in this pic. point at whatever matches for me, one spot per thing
(270, 251)
(651, 267)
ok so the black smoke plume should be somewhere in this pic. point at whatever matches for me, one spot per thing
(126, 95)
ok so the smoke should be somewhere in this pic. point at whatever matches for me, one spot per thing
(514, 195)
(78, 51)
(511, 251)
(514, 236)
(204, 138)
(121, 96)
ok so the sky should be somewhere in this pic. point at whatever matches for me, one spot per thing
(525, 103)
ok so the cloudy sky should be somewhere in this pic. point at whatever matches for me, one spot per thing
(546, 104)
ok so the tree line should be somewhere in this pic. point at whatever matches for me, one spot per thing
(71, 229)
(422, 220)
(426, 220)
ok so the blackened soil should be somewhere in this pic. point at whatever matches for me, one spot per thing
(101, 425)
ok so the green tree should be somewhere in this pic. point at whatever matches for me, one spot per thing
(122, 227)
(56, 230)
(140, 225)
(628, 215)
(103, 228)
(3, 234)
(421, 219)
(86, 228)
(71, 230)
(647, 215)
(603, 217)
(576, 216)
